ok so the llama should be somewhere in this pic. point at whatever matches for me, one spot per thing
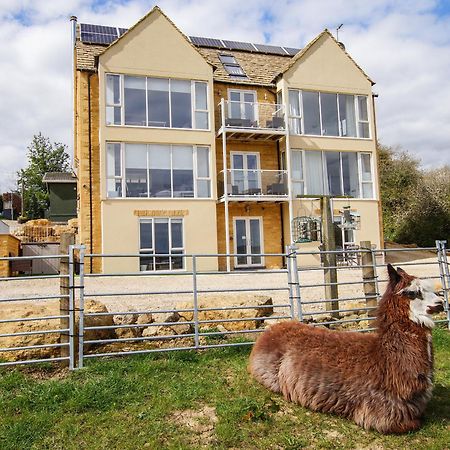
(381, 380)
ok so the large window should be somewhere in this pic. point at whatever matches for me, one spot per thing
(156, 102)
(154, 170)
(328, 114)
(161, 236)
(332, 173)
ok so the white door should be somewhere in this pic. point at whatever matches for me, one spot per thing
(248, 241)
(242, 105)
(245, 173)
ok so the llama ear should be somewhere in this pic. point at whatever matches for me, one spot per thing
(401, 272)
(394, 276)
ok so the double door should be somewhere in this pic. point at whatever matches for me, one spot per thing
(248, 241)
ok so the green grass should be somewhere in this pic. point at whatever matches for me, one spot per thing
(161, 401)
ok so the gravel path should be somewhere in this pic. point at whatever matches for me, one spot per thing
(133, 293)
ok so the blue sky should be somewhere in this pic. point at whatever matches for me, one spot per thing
(404, 45)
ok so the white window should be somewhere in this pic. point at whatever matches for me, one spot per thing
(161, 236)
(295, 114)
(332, 173)
(298, 182)
(363, 116)
(201, 105)
(156, 102)
(328, 114)
(113, 99)
(366, 175)
(155, 170)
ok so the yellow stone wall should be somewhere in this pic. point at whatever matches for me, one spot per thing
(9, 246)
(88, 169)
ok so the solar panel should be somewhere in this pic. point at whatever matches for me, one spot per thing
(206, 42)
(292, 51)
(271, 49)
(96, 38)
(235, 45)
(99, 29)
(122, 30)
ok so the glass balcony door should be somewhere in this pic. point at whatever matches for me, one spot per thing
(242, 106)
(245, 174)
(248, 241)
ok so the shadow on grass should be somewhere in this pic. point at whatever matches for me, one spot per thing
(438, 410)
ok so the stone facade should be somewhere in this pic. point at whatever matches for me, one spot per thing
(87, 156)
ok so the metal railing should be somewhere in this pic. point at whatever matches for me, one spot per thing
(253, 116)
(81, 316)
(253, 183)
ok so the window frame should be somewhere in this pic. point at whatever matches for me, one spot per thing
(298, 180)
(242, 102)
(193, 110)
(170, 239)
(195, 176)
(325, 186)
(357, 115)
(300, 108)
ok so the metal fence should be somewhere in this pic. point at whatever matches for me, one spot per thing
(77, 316)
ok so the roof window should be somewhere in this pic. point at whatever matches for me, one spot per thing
(232, 66)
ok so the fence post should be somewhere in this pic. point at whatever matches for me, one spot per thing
(82, 250)
(195, 292)
(290, 284)
(66, 291)
(369, 277)
(329, 259)
(296, 284)
(445, 275)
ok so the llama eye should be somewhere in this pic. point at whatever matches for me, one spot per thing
(412, 295)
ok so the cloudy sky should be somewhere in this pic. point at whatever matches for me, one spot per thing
(404, 45)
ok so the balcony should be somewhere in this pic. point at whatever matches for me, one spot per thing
(251, 121)
(254, 185)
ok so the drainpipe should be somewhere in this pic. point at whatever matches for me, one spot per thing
(91, 234)
(73, 26)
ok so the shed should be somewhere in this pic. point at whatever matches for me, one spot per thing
(62, 190)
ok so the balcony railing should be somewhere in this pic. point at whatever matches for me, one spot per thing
(252, 116)
(253, 184)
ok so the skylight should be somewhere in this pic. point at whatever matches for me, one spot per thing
(232, 66)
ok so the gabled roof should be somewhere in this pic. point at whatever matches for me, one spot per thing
(152, 11)
(305, 49)
(262, 69)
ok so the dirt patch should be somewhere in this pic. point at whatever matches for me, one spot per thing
(200, 422)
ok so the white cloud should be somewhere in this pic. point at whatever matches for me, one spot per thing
(401, 44)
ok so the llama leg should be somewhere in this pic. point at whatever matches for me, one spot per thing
(264, 367)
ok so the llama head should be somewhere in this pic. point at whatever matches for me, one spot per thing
(421, 298)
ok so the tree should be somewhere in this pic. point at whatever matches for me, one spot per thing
(43, 157)
(415, 202)
(399, 176)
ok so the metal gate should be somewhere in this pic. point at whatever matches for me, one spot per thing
(79, 334)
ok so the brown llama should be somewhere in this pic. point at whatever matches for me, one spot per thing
(381, 380)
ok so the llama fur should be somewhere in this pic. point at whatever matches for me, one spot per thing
(381, 380)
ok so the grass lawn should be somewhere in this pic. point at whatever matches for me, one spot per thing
(187, 400)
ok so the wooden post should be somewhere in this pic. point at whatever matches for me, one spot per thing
(369, 284)
(329, 260)
(67, 239)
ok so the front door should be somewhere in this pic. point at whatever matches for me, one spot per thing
(248, 241)
(245, 173)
